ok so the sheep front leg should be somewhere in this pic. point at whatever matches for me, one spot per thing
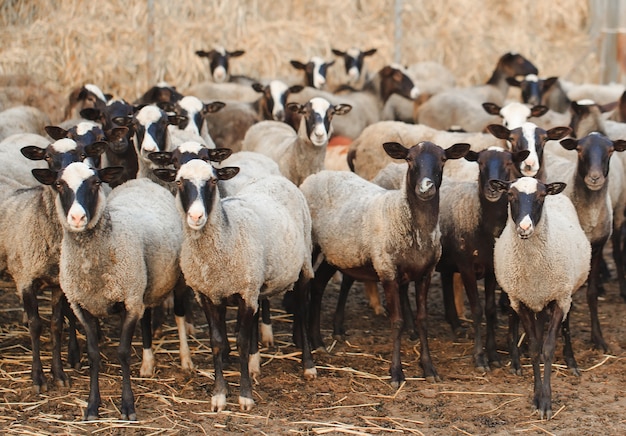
(93, 352)
(471, 289)
(491, 315)
(323, 274)
(513, 338)
(301, 290)
(527, 317)
(421, 293)
(73, 351)
(56, 327)
(392, 296)
(568, 352)
(246, 317)
(218, 345)
(129, 322)
(549, 345)
(147, 360)
(339, 330)
(31, 307)
(180, 311)
(592, 297)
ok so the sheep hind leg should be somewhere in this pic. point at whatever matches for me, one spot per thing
(127, 409)
(469, 281)
(451, 314)
(513, 339)
(371, 291)
(244, 337)
(618, 257)
(302, 290)
(491, 315)
(73, 350)
(421, 294)
(592, 298)
(31, 308)
(147, 359)
(339, 330)
(407, 312)
(568, 352)
(181, 309)
(549, 345)
(267, 333)
(392, 296)
(56, 327)
(323, 274)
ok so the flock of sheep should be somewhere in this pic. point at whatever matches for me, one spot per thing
(240, 189)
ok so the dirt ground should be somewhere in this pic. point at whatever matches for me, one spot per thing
(351, 395)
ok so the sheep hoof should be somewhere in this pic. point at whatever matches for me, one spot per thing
(40, 389)
(130, 417)
(310, 373)
(516, 371)
(90, 417)
(191, 330)
(483, 368)
(218, 402)
(187, 365)
(575, 371)
(246, 404)
(63, 382)
(433, 378)
(321, 349)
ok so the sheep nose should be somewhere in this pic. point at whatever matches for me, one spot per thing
(77, 219)
(196, 217)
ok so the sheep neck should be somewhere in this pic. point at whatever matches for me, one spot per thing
(424, 214)
(498, 81)
(494, 215)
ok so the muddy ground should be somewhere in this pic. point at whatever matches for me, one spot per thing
(351, 395)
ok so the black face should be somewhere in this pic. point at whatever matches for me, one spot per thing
(494, 164)
(531, 92)
(425, 169)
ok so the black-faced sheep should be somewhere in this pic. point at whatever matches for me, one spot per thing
(541, 258)
(369, 233)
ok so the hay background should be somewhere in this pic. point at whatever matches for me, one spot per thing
(57, 45)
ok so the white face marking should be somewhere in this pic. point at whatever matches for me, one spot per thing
(162, 84)
(319, 135)
(64, 145)
(526, 223)
(495, 148)
(193, 106)
(526, 185)
(514, 115)
(277, 90)
(190, 147)
(148, 115)
(530, 166)
(415, 92)
(353, 52)
(425, 185)
(318, 80)
(219, 74)
(532, 78)
(84, 127)
(586, 102)
(196, 171)
(74, 176)
(95, 90)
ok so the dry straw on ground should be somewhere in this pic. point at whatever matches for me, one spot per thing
(64, 43)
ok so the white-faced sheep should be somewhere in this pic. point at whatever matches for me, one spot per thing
(300, 153)
(353, 61)
(118, 252)
(588, 188)
(541, 258)
(453, 107)
(369, 233)
(263, 259)
(314, 71)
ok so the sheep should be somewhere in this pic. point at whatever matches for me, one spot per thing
(86, 96)
(117, 252)
(369, 233)
(300, 153)
(314, 71)
(30, 254)
(195, 113)
(514, 113)
(541, 258)
(12, 162)
(22, 119)
(263, 259)
(353, 59)
(162, 92)
(368, 103)
(534, 89)
(219, 67)
(453, 107)
(209, 91)
(588, 189)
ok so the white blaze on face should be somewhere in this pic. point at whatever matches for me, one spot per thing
(147, 116)
(64, 145)
(514, 115)
(85, 126)
(96, 91)
(319, 135)
(531, 78)
(220, 73)
(526, 185)
(193, 106)
(74, 176)
(319, 81)
(586, 102)
(277, 90)
(190, 147)
(197, 172)
(530, 166)
(354, 73)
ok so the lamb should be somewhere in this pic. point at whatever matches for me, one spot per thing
(138, 223)
(22, 119)
(588, 189)
(263, 233)
(300, 153)
(453, 107)
(353, 59)
(369, 233)
(541, 258)
(314, 71)
(367, 104)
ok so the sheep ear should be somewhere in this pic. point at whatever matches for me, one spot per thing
(499, 185)
(56, 132)
(569, 143)
(295, 89)
(457, 151)
(330, 64)
(123, 121)
(226, 172)
(396, 150)
(370, 52)
(202, 53)
(499, 131)
(520, 156)
(555, 188)
(219, 154)
(45, 176)
(538, 110)
(294, 107)
(337, 52)
(342, 109)
(95, 149)
(91, 113)
(619, 145)
(236, 53)
(471, 156)
(548, 83)
(513, 81)
(492, 108)
(556, 133)
(33, 152)
(165, 174)
(110, 174)
(258, 87)
(161, 157)
(297, 65)
(213, 107)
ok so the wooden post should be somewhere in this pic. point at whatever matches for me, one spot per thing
(397, 53)
(150, 44)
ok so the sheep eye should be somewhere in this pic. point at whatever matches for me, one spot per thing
(179, 183)
(47, 157)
